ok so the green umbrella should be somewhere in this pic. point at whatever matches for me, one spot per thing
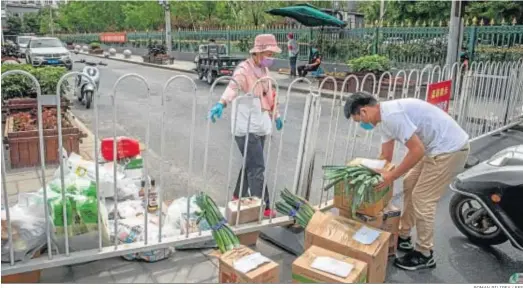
(308, 15)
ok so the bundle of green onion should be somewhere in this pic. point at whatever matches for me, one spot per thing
(222, 234)
(296, 207)
(359, 182)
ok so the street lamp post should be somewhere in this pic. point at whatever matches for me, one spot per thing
(168, 38)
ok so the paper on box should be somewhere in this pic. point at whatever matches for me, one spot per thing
(319, 265)
(336, 234)
(267, 272)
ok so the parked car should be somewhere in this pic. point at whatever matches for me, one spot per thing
(48, 51)
(22, 42)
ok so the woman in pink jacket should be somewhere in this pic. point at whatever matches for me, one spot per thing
(246, 75)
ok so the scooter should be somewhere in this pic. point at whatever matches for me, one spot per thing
(486, 206)
(85, 95)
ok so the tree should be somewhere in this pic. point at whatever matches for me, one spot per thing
(14, 25)
(435, 11)
(31, 23)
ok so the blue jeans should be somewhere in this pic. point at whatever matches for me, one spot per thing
(254, 168)
(292, 62)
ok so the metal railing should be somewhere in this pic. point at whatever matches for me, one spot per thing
(487, 98)
(401, 43)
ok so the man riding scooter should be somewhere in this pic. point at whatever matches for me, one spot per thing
(437, 151)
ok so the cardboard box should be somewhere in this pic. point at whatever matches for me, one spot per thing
(393, 245)
(391, 219)
(302, 272)
(372, 221)
(391, 223)
(388, 221)
(343, 202)
(336, 234)
(265, 273)
(249, 239)
(249, 210)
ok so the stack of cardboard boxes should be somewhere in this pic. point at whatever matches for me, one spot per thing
(381, 214)
(243, 265)
(363, 243)
(338, 249)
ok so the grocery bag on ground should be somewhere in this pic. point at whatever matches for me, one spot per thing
(82, 223)
(84, 169)
(28, 233)
(177, 218)
(126, 209)
(132, 230)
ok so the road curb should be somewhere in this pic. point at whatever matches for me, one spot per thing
(325, 94)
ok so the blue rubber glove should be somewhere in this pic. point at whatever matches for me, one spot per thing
(279, 124)
(216, 112)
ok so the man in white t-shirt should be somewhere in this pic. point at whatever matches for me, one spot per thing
(437, 151)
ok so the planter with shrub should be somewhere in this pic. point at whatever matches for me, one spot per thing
(94, 48)
(157, 55)
(19, 93)
(360, 67)
(22, 142)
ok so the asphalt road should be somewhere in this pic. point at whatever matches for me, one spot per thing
(458, 261)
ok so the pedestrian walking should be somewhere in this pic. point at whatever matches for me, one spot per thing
(246, 75)
(437, 151)
(292, 47)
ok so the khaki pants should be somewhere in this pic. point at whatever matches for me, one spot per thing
(423, 186)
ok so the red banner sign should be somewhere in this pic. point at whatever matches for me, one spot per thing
(439, 94)
(113, 37)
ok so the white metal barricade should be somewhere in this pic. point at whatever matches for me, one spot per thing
(487, 98)
(494, 87)
(105, 249)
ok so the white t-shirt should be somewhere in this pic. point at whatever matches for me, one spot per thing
(401, 118)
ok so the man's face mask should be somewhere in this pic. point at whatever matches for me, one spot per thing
(363, 124)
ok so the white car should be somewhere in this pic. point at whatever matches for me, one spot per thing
(47, 51)
(22, 42)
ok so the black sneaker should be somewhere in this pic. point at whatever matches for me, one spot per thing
(405, 245)
(415, 260)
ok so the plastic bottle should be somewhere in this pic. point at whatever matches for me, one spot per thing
(125, 148)
(153, 196)
(141, 193)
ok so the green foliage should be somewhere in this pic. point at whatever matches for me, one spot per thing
(428, 11)
(244, 44)
(14, 24)
(17, 85)
(94, 45)
(31, 23)
(20, 86)
(373, 63)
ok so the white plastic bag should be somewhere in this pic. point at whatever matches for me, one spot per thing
(28, 231)
(126, 209)
(131, 230)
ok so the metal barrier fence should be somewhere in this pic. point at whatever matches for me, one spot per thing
(400, 42)
(487, 99)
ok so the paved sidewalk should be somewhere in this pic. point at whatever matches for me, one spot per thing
(195, 266)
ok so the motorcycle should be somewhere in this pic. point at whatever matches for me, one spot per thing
(486, 206)
(85, 95)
